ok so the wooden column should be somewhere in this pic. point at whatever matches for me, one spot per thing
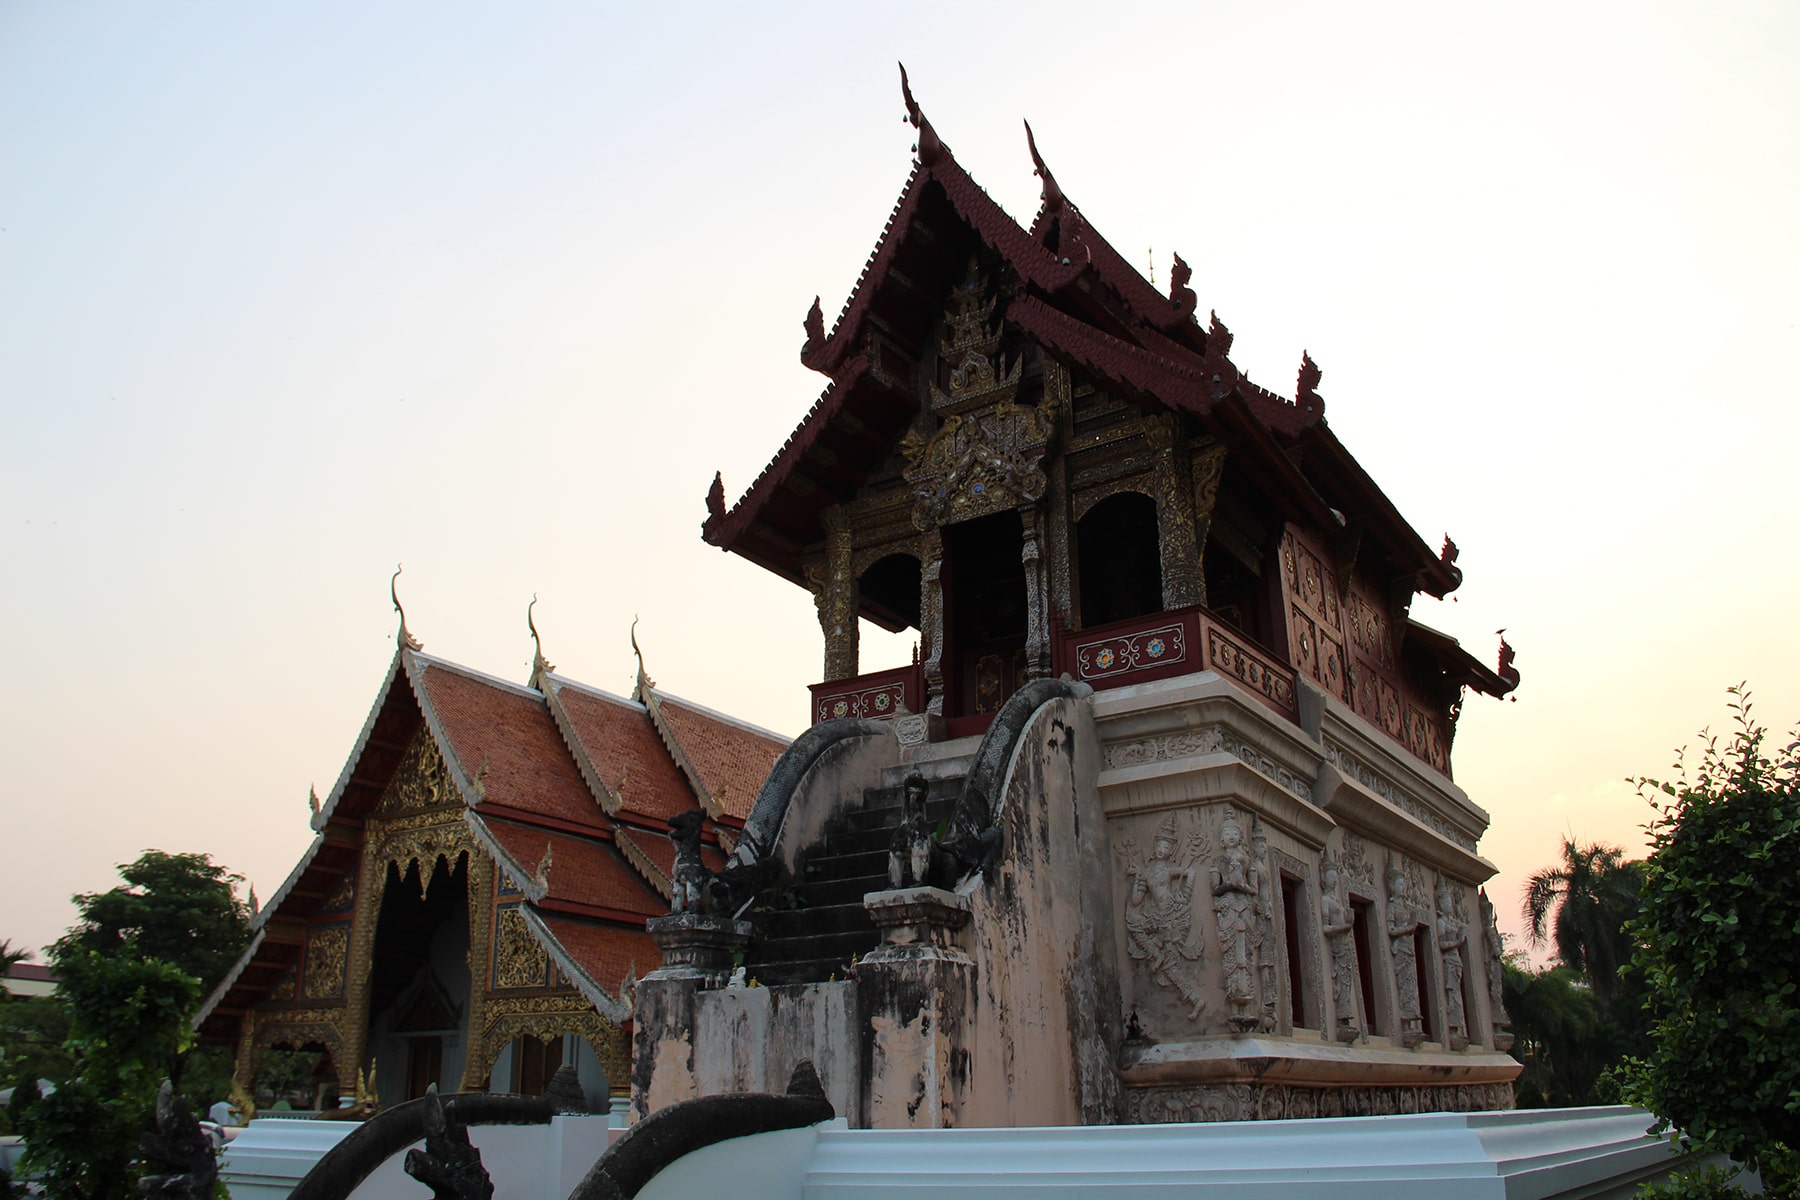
(1183, 582)
(1206, 468)
(834, 591)
(931, 616)
(481, 924)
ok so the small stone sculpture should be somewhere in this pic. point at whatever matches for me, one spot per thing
(1337, 920)
(689, 890)
(909, 855)
(564, 1091)
(179, 1144)
(1234, 887)
(1452, 936)
(1402, 921)
(449, 1165)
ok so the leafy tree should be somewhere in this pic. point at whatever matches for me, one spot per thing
(1593, 893)
(1720, 953)
(1555, 1018)
(10, 958)
(180, 908)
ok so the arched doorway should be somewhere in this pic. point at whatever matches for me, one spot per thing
(985, 613)
(419, 986)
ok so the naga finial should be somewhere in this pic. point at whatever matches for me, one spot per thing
(930, 148)
(541, 876)
(1506, 670)
(1180, 294)
(715, 497)
(406, 638)
(815, 328)
(644, 682)
(1220, 335)
(540, 666)
(1053, 195)
(312, 798)
(1306, 391)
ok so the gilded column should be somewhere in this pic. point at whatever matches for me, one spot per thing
(931, 616)
(1037, 607)
(1058, 529)
(834, 590)
(1207, 467)
(481, 924)
(371, 880)
(1183, 582)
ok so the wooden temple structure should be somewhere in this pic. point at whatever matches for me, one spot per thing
(1199, 851)
(471, 910)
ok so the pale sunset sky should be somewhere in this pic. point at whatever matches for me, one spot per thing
(292, 292)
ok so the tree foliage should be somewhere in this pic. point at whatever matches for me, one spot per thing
(180, 908)
(1720, 952)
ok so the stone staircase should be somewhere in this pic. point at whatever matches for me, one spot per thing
(812, 932)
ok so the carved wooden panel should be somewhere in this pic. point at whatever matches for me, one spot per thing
(1314, 611)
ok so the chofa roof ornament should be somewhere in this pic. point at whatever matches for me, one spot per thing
(1053, 195)
(540, 666)
(406, 638)
(929, 148)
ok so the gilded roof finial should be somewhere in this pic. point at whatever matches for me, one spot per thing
(406, 638)
(540, 666)
(644, 682)
(1052, 194)
(929, 149)
(312, 798)
(541, 876)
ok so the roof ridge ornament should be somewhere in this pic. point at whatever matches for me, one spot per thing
(1052, 197)
(1219, 334)
(1506, 670)
(814, 324)
(641, 690)
(1180, 294)
(1306, 394)
(540, 666)
(405, 638)
(930, 148)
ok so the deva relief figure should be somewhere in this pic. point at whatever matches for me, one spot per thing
(1452, 936)
(1336, 917)
(1263, 939)
(1234, 891)
(1495, 951)
(1159, 918)
(1402, 923)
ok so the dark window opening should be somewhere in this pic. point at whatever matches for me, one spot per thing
(424, 1065)
(1120, 555)
(1365, 962)
(890, 592)
(1234, 593)
(534, 1062)
(1422, 951)
(410, 915)
(1291, 909)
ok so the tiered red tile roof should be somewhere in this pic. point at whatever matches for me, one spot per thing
(568, 789)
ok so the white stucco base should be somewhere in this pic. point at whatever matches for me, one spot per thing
(1586, 1153)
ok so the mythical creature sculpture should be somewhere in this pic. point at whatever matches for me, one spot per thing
(179, 1144)
(690, 890)
(1234, 890)
(448, 1164)
(1159, 919)
(1337, 920)
(909, 855)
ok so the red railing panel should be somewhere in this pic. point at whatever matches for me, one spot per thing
(877, 694)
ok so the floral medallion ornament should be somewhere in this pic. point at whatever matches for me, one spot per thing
(1154, 648)
(841, 708)
(1105, 659)
(883, 702)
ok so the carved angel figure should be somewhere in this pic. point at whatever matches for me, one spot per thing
(1452, 936)
(1336, 918)
(1402, 921)
(1234, 889)
(1159, 918)
(1495, 950)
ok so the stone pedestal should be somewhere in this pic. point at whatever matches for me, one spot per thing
(916, 732)
(915, 992)
(698, 951)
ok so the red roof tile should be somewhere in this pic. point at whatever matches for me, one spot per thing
(505, 734)
(732, 759)
(607, 953)
(617, 736)
(582, 870)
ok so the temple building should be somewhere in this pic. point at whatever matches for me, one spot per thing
(471, 910)
(1161, 823)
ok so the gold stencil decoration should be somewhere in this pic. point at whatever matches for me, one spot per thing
(421, 782)
(343, 897)
(519, 961)
(327, 952)
(286, 985)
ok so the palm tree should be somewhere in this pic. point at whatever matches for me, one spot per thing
(9, 958)
(1593, 893)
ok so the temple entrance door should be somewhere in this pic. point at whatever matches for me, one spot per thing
(984, 614)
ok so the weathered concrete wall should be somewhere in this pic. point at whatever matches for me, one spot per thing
(749, 1039)
(1046, 1021)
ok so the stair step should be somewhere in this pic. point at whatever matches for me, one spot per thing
(828, 893)
(822, 868)
(823, 919)
(815, 970)
(838, 946)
